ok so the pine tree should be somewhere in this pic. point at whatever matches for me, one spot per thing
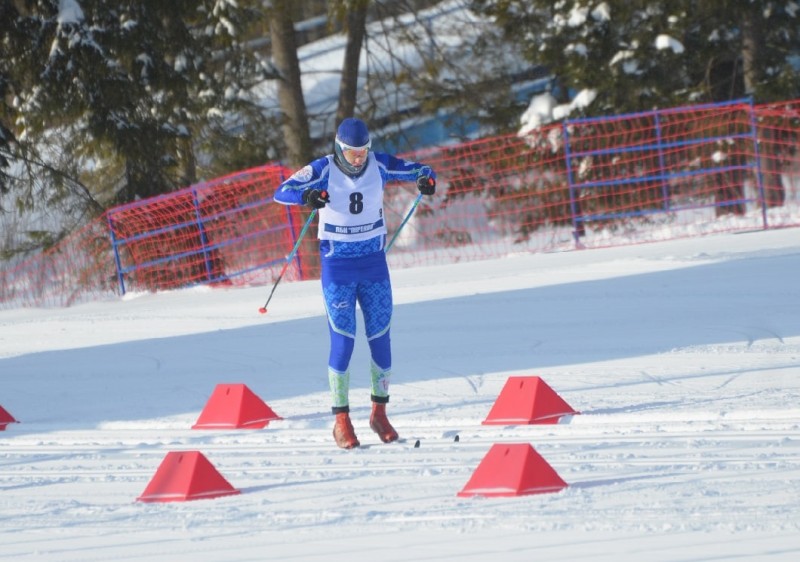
(8, 36)
(134, 83)
(106, 102)
(644, 54)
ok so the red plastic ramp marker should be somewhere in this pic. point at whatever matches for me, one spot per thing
(527, 400)
(514, 469)
(5, 419)
(234, 406)
(184, 476)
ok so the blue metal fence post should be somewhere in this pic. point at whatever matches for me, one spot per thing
(573, 191)
(759, 174)
(202, 235)
(661, 162)
(115, 248)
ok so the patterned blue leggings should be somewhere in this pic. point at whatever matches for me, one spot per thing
(364, 280)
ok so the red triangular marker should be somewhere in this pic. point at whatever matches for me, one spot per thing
(234, 406)
(527, 400)
(5, 419)
(184, 476)
(512, 470)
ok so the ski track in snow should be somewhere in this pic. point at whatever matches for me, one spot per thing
(687, 446)
(281, 465)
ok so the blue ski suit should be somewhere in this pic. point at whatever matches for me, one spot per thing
(352, 233)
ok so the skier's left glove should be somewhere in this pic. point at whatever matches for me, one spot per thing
(426, 185)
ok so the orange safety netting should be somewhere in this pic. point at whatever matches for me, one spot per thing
(582, 183)
(211, 232)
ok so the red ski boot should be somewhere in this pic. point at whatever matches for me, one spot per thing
(343, 432)
(380, 423)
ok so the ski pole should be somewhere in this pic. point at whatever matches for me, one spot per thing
(405, 220)
(289, 258)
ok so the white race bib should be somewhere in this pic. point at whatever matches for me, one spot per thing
(355, 211)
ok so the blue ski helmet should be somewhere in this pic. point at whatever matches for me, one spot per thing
(351, 134)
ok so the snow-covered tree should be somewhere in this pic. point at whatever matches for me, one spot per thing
(106, 102)
(645, 54)
(134, 84)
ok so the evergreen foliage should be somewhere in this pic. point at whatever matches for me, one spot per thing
(646, 54)
(133, 84)
(107, 102)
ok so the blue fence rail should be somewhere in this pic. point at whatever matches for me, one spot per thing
(659, 147)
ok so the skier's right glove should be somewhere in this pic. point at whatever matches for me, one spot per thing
(315, 198)
(426, 185)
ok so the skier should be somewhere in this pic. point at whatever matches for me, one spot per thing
(347, 187)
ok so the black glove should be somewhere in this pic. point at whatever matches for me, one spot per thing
(315, 198)
(426, 185)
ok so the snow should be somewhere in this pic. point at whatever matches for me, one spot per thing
(602, 12)
(683, 358)
(666, 42)
(543, 110)
(538, 113)
(392, 44)
(69, 12)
